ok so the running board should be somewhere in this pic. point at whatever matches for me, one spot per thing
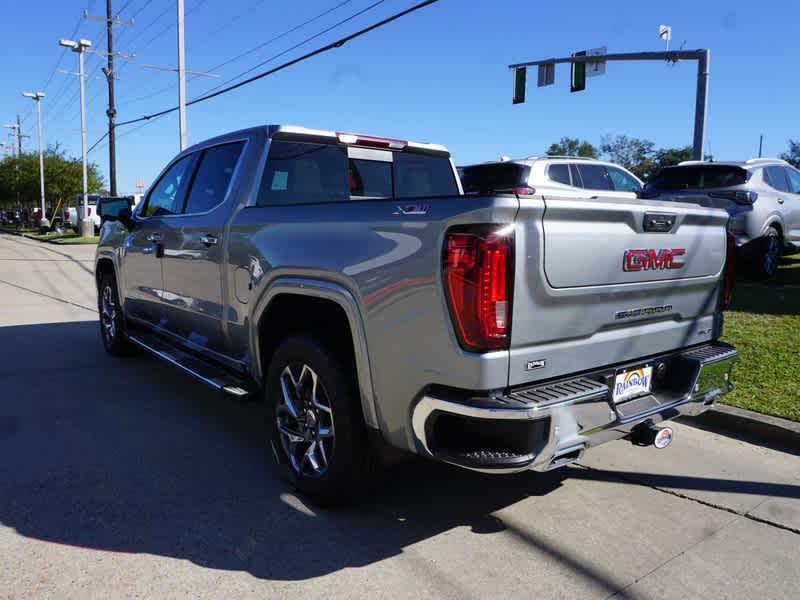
(210, 374)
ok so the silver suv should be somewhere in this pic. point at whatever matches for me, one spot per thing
(762, 195)
(565, 176)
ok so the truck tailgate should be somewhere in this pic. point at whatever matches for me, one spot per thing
(594, 288)
(585, 242)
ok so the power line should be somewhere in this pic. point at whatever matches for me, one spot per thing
(285, 33)
(322, 49)
(167, 88)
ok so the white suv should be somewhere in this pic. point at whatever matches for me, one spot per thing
(569, 176)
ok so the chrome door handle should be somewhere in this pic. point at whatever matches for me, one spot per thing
(209, 240)
(154, 237)
(780, 200)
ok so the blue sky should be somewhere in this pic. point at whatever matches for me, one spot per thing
(438, 75)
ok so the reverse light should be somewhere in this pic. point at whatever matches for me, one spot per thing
(478, 280)
(352, 139)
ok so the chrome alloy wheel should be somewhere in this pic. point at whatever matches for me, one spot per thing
(108, 314)
(305, 420)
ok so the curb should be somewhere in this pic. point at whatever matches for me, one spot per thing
(27, 236)
(737, 422)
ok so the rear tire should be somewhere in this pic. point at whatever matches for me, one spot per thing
(765, 261)
(315, 423)
(112, 321)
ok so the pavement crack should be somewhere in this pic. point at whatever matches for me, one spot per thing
(622, 592)
(19, 287)
(745, 514)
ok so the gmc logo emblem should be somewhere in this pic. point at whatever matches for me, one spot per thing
(652, 260)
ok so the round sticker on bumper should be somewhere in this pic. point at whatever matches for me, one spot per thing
(663, 438)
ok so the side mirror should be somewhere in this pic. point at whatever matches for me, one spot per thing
(114, 209)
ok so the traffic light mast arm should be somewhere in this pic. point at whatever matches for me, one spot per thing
(702, 56)
(671, 55)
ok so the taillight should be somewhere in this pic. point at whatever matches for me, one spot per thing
(524, 191)
(730, 272)
(478, 280)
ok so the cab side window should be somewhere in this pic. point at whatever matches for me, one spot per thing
(166, 198)
(622, 181)
(595, 177)
(213, 177)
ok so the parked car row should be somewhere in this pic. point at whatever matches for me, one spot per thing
(762, 196)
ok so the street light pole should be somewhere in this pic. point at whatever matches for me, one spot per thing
(37, 96)
(181, 79)
(87, 226)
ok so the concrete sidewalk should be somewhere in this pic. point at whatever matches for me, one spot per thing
(121, 477)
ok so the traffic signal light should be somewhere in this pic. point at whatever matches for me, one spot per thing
(577, 80)
(520, 74)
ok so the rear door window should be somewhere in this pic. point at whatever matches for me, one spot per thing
(559, 173)
(776, 178)
(622, 181)
(595, 177)
(213, 177)
(794, 179)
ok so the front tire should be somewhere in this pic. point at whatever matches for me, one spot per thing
(112, 322)
(315, 422)
(766, 260)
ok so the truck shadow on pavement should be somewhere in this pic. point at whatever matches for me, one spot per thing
(128, 455)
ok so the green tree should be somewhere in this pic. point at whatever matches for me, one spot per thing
(793, 155)
(567, 146)
(634, 154)
(63, 178)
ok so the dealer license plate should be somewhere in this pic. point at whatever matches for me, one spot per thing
(631, 383)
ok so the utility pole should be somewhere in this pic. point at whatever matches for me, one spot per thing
(702, 56)
(37, 96)
(111, 111)
(108, 71)
(19, 137)
(181, 79)
(760, 144)
(87, 226)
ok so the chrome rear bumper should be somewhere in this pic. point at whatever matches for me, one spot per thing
(550, 425)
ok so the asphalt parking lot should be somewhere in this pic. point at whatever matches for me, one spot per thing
(122, 477)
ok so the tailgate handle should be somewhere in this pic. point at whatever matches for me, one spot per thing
(658, 222)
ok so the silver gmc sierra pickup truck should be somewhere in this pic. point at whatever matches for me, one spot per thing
(350, 282)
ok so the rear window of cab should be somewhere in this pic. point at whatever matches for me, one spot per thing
(309, 173)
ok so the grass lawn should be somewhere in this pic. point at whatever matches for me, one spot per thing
(764, 324)
(63, 238)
